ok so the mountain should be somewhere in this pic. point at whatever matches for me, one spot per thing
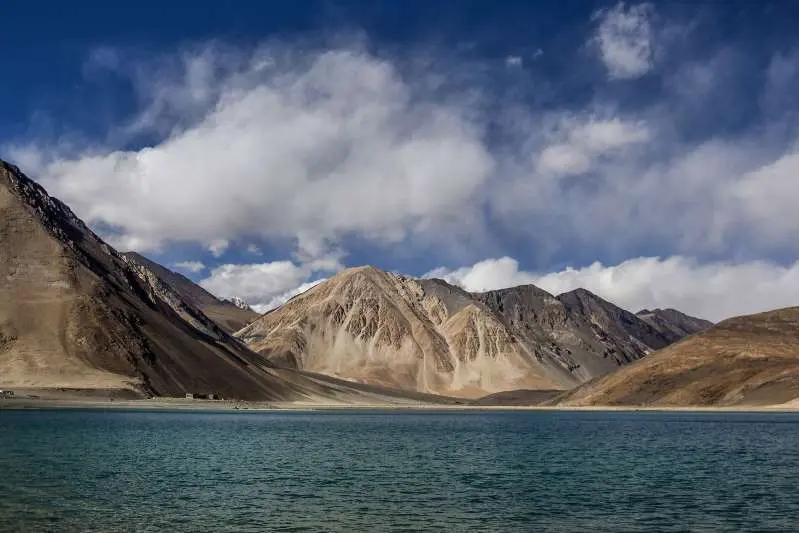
(672, 323)
(747, 360)
(231, 315)
(77, 314)
(591, 335)
(426, 335)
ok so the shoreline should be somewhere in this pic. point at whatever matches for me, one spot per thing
(181, 404)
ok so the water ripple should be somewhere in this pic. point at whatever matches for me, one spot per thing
(96, 471)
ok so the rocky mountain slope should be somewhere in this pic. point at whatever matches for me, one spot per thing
(751, 360)
(75, 313)
(672, 323)
(426, 335)
(231, 315)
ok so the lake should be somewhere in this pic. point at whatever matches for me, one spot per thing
(116, 470)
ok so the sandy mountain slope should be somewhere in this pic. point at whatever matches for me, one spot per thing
(74, 313)
(227, 314)
(751, 360)
(376, 327)
(672, 323)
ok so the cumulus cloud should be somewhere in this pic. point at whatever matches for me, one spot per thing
(486, 275)
(284, 297)
(584, 142)
(310, 147)
(713, 290)
(624, 39)
(769, 199)
(264, 285)
(331, 147)
(190, 266)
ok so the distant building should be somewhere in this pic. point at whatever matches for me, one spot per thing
(189, 396)
(6, 393)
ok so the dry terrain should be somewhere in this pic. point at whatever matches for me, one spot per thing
(371, 326)
(77, 315)
(746, 360)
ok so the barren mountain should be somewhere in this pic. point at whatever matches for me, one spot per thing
(426, 335)
(672, 323)
(751, 360)
(590, 335)
(230, 315)
(74, 313)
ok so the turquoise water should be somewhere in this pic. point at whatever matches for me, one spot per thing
(109, 471)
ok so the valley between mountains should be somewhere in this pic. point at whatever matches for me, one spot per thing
(77, 315)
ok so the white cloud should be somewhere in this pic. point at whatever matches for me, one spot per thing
(278, 145)
(768, 199)
(624, 39)
(218, 247)
(485, 275)
(713, 290)
(514, 61)
(284, 297)
(317, 148)
(583, 142)
(253, 249)
(564, 159)
(265, 286)
(190, 266)
(258, 284)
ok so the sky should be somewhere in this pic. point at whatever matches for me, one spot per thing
(644, 151)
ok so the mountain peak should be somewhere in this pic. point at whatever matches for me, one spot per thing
(673, 323)
(75, 313)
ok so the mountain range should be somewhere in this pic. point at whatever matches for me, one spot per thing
(75, 313)
(426, 335)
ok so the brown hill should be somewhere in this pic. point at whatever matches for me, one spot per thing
(224, 312)
(751, 360)
(372, 326)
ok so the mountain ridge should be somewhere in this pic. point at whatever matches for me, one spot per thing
(226, 313)
(369, 325)
(77, 314)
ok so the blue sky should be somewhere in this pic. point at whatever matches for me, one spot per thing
(646, 151)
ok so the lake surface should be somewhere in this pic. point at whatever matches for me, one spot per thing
(110, 471)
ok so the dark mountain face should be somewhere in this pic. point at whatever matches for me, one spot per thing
(673, 324)
(224, 312)
(612, 323)
(590, 335)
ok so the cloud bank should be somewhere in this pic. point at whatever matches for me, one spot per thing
(714, 291)
(235, 147)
